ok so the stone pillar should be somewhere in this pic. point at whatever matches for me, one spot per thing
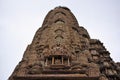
(68, 61)
(46, 60)
(53, 60)
(62, 59)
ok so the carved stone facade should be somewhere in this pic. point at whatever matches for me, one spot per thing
(63, 50)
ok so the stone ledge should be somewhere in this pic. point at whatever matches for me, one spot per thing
(56, 77)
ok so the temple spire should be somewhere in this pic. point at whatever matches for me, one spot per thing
(63, 50)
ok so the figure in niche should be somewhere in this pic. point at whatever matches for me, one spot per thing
(65, 62)
(49, 62)
(56, 49)
(39, 49)
(59, 36)
(59, 40)
(57, 61)
(46, 50)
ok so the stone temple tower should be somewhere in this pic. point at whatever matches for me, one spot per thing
(63, 50)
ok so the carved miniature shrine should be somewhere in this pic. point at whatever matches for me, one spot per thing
(63, 50)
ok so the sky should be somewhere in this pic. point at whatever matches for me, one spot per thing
(20, 19)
